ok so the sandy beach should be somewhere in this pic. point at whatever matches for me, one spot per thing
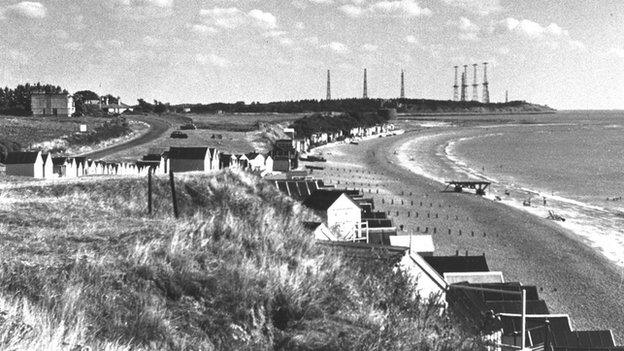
(571, 277)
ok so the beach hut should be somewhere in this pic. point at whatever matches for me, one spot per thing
(268, 162)
(429, 284)
(48, 166)
(421, 244)
(320, 230)
(25, 164)
(186, 159)
(340, 212)
(214, 158)
(256, 161)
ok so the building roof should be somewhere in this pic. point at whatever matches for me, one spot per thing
(321, 200)
(253, 155)
(298, 189)
(152, 158)
(21, 157)
(359, 250)
(188, 153)
(373, 215)
(474, 277)
(380, 223)
(420, 243)
(312, 225)
(444, 264)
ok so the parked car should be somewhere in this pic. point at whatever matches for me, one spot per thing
(188, 126)
(178, 135)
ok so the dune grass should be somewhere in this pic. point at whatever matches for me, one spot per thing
(84, 267)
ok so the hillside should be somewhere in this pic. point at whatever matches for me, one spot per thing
(370, 105)
(84, 265)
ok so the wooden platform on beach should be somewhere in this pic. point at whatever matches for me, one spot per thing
(458, 186)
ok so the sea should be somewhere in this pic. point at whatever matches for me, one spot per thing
(569, 164)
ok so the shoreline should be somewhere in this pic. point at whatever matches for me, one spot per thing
(572, 277)
(472, 114)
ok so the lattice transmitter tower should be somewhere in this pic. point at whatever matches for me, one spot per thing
(475, 92)
(486, 85)
(464, 83)
(328, 85)
(365, 93)
(456, 87)
(402, 84)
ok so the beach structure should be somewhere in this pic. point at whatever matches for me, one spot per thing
(52, 104)
(25, 164)
(429, 283)
(268, 162)
(227, 161)
(459, 185)
(339, 211)
(187, 159)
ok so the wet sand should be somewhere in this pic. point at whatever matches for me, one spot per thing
(571, 277)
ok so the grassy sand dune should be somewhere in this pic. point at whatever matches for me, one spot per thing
(84, 265)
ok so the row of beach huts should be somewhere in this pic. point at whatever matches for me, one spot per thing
(507, 315)
(177, 159)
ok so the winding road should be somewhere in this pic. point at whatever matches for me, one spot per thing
(159, 125)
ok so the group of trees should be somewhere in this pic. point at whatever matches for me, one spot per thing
(300, 106)
(345, 122)
(156, 107)
(17, 101)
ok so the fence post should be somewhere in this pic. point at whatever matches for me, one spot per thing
(173, 193)
(149, 191)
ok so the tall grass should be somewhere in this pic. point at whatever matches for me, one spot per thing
(83, 265)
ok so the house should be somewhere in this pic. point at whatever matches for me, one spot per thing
(115, 108)
(25, 164)
(52, 104)
(187, 159)
(48, 166)
(342, 215)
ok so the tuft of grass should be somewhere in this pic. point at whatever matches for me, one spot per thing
(84, 265)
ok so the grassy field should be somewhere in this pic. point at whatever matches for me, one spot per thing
(83, 264)
(30, 130)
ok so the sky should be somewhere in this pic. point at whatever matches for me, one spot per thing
(568, 54)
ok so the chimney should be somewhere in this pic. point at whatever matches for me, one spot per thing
(118, 100)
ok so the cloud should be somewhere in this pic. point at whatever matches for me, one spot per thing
(480, 7)
(263, 19)
(26, 9)
(73, 46)
(232, 17)
(411, 39)
(147, 3)
(212, 60)
(202, 29)
(531, 29)
(616, 52)
(468, 29)
(142, 9)
(351, 10)
(322, 1)
(399, 8)
(370, 47)
(152, 41)
(338, 47)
